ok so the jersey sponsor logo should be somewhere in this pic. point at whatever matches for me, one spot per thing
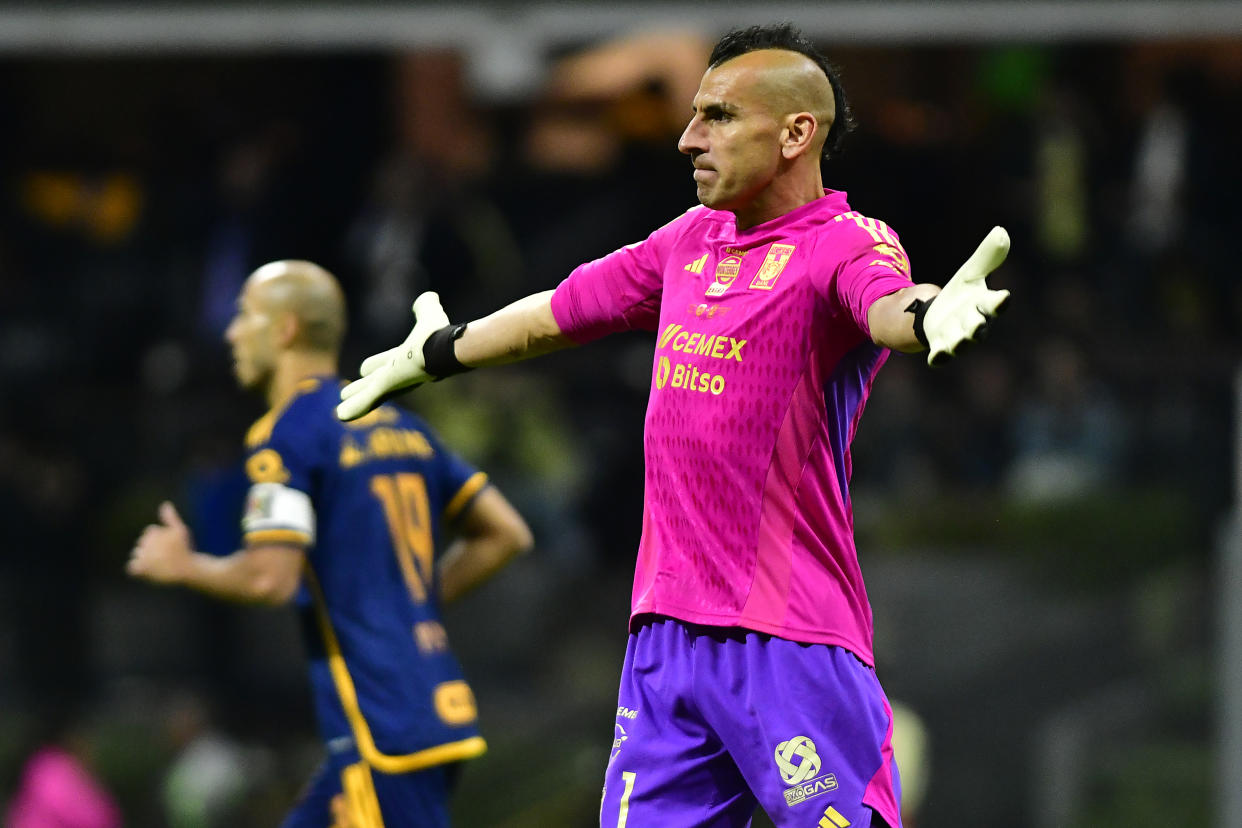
(431, 637)
(799, 766)
(772, 267)
(677, 338)
(687, 378)
(624, 712)
(384, 444)
(697, 265)
(894, 257)
(726, 272)
(454, 703)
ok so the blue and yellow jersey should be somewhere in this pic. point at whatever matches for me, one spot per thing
(367, 500)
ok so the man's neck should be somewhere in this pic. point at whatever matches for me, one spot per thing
(783, 195)
(291, 368)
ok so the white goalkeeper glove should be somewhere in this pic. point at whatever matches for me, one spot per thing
(965, 307)
(397, 368)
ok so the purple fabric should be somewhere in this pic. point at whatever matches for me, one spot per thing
(712, 721)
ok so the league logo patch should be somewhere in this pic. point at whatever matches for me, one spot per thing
(726, 272)
(798, 764)
(259, 503)
(772, 267)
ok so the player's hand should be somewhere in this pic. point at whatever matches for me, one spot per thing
(396, 368)
(163, 550)
(965, 307)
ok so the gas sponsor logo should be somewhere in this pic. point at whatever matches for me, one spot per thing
(799, 766)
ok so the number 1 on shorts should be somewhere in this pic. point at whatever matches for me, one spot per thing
(623, 813)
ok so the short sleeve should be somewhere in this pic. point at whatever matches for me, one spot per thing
(870, 264)
(279, 466)
(620, 292)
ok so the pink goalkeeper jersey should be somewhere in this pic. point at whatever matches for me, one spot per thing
(763, 362)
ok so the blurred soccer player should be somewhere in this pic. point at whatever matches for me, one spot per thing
(748, 677)
(344, 519)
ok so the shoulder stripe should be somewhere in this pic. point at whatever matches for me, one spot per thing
(386, 763)
(261, 431)
(471, 488)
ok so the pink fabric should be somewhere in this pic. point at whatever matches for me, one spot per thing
(56, 791)
(763, 362)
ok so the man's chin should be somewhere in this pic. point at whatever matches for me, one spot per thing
(247, 381)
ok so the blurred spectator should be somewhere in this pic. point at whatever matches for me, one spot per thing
(210, 774)
(58, 786)
(1068, 432)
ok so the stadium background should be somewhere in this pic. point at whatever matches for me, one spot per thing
(1044, 525)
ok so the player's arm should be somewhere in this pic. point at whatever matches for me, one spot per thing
(891, 326)
(436, 349)
(259, 574)
(491, 533)
(942, 320)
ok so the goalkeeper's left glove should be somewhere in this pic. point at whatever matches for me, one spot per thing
(965, 307)
(405, 366)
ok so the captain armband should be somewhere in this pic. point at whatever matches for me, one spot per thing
(276, 513)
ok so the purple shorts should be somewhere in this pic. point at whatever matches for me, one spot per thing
(712, 721)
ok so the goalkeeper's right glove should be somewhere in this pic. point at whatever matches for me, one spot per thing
(405, 366)
(965, 307)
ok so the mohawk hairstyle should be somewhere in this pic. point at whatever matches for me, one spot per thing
(785, 36)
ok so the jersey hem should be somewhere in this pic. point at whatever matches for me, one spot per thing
(798, 636)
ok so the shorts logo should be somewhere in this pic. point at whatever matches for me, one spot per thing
(803, 750)
(798, 764)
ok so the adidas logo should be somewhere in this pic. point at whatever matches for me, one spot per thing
(697, 265)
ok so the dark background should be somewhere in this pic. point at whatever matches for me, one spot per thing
(1039, 523)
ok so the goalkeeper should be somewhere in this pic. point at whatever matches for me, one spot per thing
(749, 673)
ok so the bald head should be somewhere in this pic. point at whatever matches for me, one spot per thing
(831, 108)
(788, 83)
(307, 291)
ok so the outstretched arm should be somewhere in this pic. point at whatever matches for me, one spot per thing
(942, 320)
(435, 349)
(518, 331)
(262, 574)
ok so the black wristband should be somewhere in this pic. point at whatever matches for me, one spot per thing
(919, 308)
(439, 354)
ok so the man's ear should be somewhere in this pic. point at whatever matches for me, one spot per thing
(796, 137)
(288, 328)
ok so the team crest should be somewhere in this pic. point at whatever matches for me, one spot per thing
(772, 267)
(726, 272)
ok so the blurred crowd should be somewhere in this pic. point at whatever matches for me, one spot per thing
(140, 192)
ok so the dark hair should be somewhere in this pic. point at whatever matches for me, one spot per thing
(785, 36)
